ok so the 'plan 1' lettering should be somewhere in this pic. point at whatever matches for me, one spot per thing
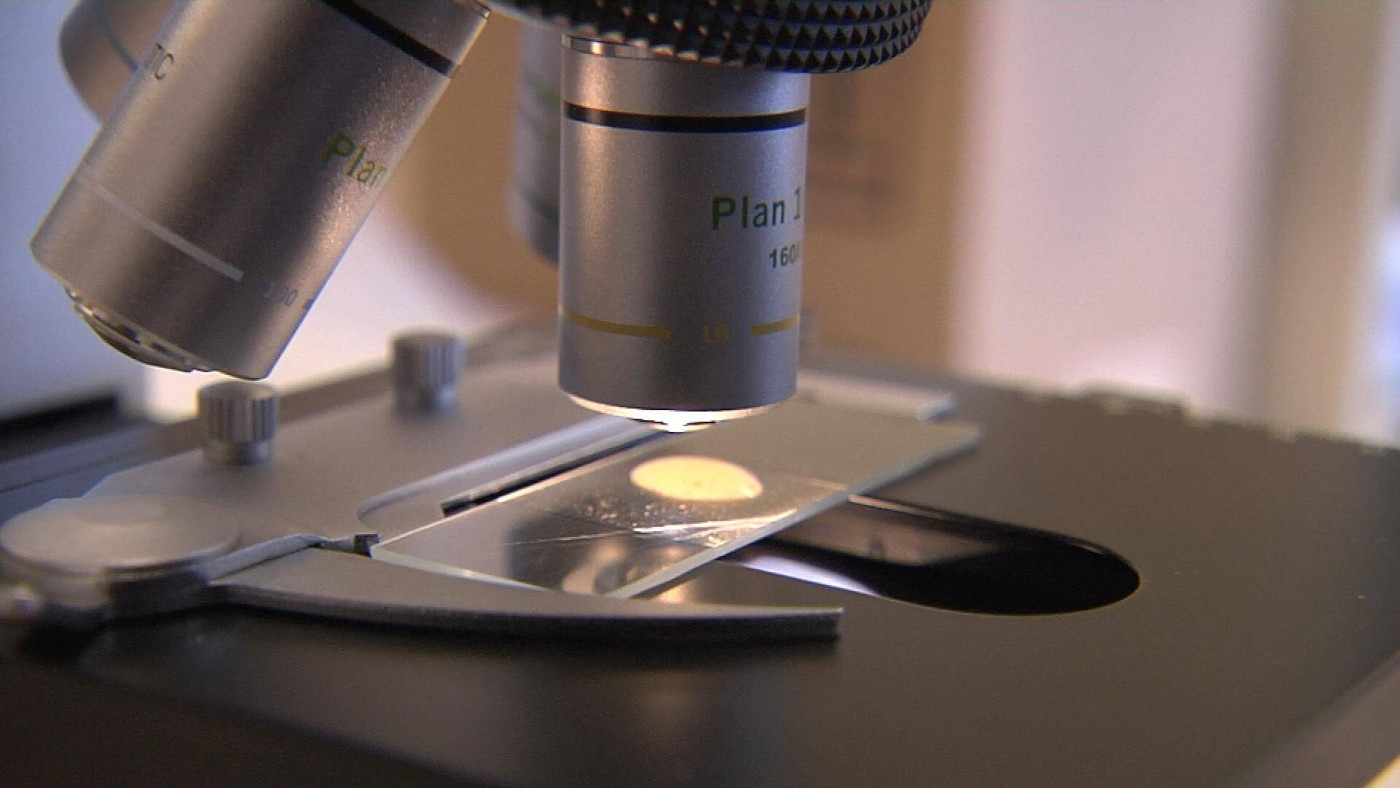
(747, 212)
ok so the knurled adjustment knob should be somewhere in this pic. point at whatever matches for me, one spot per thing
(239, 420)
(426, 369)
(811, 36)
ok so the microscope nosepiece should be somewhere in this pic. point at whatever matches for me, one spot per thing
(681, 235)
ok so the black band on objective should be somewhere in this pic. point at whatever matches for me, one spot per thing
(392, 35)
(684, 123)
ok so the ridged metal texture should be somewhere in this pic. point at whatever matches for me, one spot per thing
(426, 369)
(238, 412)
(239, 420)
(813, 36)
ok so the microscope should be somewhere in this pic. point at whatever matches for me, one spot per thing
(249, 144)
(695, 564)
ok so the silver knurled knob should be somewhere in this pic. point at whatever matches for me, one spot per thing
(239, 421)
(426, 369)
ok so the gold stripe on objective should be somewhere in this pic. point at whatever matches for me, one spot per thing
(774, 327)
(625, 329)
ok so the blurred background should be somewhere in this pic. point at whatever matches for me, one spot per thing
(1193, 200)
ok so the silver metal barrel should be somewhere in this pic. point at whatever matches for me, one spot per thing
(680, 236)
(236, 167)
(534, 172)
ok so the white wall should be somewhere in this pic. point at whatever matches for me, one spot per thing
(1336, 201)
(1116, 174)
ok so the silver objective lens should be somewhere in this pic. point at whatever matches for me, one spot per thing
(680, 235)
(237, 165)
